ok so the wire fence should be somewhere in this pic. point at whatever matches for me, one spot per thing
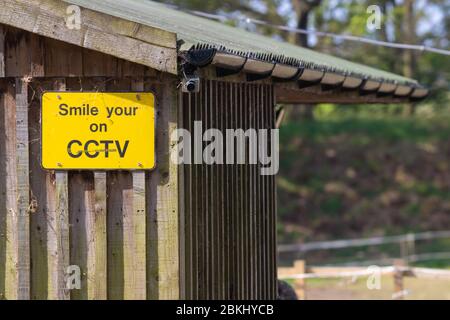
(299, 273)
(335, 36)
(374, 241)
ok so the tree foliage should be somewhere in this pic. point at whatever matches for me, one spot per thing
(424, 22)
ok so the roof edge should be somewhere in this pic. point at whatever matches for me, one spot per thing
(288, 69)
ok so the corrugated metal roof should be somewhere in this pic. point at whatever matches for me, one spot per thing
(194, 30)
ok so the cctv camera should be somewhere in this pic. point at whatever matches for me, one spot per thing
(191, 84)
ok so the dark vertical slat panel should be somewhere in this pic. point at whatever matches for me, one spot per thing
(258, 199)
(232, 198)
(187, 114)
(250, 225)
(213, 198)
(254, 125)
(231, 226)
(273, 196)
(246, 193)
(201, 208)
(260, 281)
(239, 225)
(265, 202)
(238, 199)
(195, 208)
(227, 197)
(206, 108)
(221, 192)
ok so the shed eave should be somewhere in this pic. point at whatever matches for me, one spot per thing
(128, 40)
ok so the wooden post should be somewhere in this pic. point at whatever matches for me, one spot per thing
(162, 201)
(300, 284)
(8, 212)
(398, 280)
(23, 190)
(139, 291)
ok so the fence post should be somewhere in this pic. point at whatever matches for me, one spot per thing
(300, 284)
(398, 280)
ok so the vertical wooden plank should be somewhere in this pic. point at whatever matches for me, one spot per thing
(139, 290)
(81, 220)
(126, 225)
(62, 214)
(87, 218)
(2, 51)
(162, 205)
(9, 254)
(97, 64)
(42, 219)
(62, 59)
(120, 234)
(99, 256)
(23, 189)
(24, 53)
(61, 218)
(3, 188)
(49, 219)
(120, 244)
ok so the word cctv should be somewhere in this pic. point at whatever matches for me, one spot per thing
(251, 146)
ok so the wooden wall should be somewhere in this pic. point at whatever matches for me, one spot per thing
(119, 227)
(229, 221)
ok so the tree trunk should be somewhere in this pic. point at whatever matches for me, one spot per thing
(303, 9)
(409, 31)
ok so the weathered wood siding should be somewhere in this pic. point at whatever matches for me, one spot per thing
(119, 227)
(229, 210)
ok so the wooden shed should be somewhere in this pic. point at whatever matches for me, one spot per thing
(192, 231)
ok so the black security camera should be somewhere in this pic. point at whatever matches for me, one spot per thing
(191, 84)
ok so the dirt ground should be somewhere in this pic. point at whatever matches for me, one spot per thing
(356, 289)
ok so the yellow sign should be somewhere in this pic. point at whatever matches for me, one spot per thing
(98, 130)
